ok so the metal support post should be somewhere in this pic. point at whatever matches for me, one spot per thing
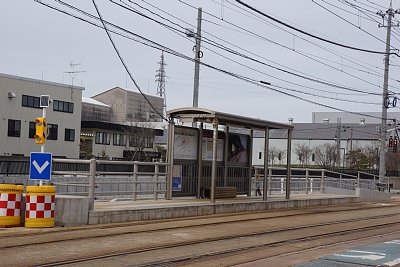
(156, 180)
(307, 172)
(266, 180)
(288, 169)
(200, 160)
(250, 153)
(214, 160)
(269, 181)
(135, 179)
(338, 139)
(92, 183)
(322, 181)
(226, 146)
(171, 138)
(42, 147)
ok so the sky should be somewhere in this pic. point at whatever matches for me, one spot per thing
(306, 75)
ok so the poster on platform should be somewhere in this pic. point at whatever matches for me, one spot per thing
(177, 178)
(185, 146)
(207, 149)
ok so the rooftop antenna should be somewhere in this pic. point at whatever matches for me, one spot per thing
(74, 72)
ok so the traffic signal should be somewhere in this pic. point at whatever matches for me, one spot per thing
(395, 144)
(390, 141)
(40, 136)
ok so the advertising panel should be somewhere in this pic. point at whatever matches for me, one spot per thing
(238, 148)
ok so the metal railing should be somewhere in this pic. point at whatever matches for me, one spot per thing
(102, 181)
(110, 180)
(306, 181)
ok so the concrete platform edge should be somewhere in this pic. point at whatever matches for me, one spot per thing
(169, 212)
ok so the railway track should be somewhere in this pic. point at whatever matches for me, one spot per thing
(191, 245)
(190, 240)
(56, 235)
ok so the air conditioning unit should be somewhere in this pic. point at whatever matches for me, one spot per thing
(12, 95)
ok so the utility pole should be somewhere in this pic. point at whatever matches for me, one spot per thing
(198, 55)
(385, 97)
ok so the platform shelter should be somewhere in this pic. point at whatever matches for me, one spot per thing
(205, 158)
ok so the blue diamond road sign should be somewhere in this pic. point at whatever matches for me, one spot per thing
(40, 166)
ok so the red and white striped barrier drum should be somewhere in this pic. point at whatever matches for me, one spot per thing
(40, 206)
(10, 204)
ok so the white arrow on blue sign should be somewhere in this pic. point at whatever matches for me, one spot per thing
(40, 166)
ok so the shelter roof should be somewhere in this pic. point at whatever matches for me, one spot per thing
(320, 131)
(208, 116)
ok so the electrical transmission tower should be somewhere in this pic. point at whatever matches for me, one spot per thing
(160, 79)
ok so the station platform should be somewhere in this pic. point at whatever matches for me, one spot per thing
(122, 210)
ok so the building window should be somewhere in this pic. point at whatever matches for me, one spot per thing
(63, 106)
(102, 138)
(52, 130)
(14, 128)
(141, 141)
(69, 135)
(134, 141)
(119, 139)
(30, 101)
(148, 142)
(32, 129)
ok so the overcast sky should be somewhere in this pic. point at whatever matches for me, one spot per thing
(39, 42)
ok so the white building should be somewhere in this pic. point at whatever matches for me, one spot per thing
(119, 124)
(351, 135)
(19, 106)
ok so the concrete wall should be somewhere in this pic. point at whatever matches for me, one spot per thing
(11, 108)
(71, 210)
(366, 195)
(338, 191)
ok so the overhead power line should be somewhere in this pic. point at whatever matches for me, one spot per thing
(313, 35)
(349, 22)
(229, 50)
(155, 45)
(123, 62)
(307, 55)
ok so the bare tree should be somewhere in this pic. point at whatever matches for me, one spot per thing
(303, 153)
(357, 159)
(272, 155)
(372, 153)
(85, 149)
(325, 155)
(281, 155)
(140, 139)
